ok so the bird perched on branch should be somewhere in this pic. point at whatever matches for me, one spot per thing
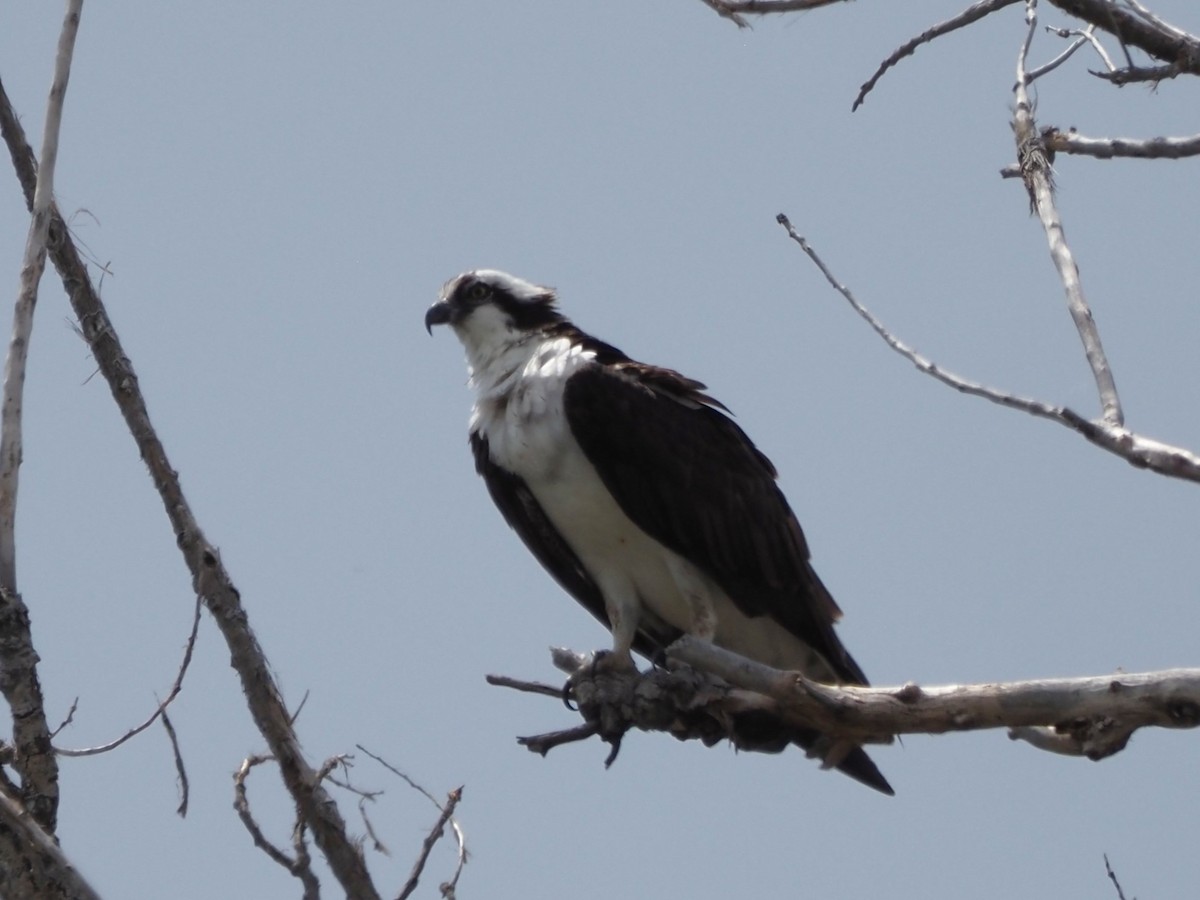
(643, 498)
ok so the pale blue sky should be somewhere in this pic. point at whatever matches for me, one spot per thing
(279, 190)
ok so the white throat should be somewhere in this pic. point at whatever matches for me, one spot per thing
(496, 351)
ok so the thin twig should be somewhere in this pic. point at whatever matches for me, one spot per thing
(427, 846)
(1087, 34)
(923, 364)
(1082, 38)
(299, 865)
(528, 687)
(1140, 74)
(541, 744)
(447, 810)
(379, 845)
(180, 769)
(972, 13)
(160, 710)
(1137, 450)
(67, 719)
(241, 803)
(1113, 878)
(312, 887)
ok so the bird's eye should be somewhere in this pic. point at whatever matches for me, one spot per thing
(479, 291)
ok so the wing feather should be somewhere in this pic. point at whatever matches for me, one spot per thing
(686, 474)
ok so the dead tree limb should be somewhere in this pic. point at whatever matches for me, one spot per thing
(1092, 717)
(1135, 27)
(34, 760)
(1136, 449)
(1034, 161)
(210, 579)
(31, 862)
(1071, 141)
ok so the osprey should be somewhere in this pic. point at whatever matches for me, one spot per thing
(643, 498)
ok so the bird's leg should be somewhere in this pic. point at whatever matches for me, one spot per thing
(623, 608)
(697, 590)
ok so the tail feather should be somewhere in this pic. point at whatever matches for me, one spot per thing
(760, 731)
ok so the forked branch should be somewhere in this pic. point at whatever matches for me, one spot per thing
(34, 761)
(210, 579)
(1137, 450)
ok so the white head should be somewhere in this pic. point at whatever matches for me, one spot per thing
(492, 311)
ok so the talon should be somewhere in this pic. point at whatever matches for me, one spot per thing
(567, 688)
(616, 748)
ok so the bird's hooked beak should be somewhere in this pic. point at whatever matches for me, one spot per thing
(438, 314)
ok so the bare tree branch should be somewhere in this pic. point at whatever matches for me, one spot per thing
(1081, 38)
(35, 864)
(1088, 34)
(299, 865)
(428, 844)
(180, 769)
(160, 711)
(19, 682)
(1130, 23)
(1153, 36)
(529, 687)
(1112, 876)
(1137, 450)
(972, 13)
(722, 9)
(209, 577)
(1035, 169)
(1092, 717)
(1071, 141)
(447, 816)
(1098, 712)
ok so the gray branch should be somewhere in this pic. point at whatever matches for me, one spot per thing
(210, 579)
(34, 864)
(19, 681)
(1096, 714)
(1092, 717)
(1109, 148)
(968, 16)
(1132, 24)
(1035, 170)
(1151, 35)
(1136, 449)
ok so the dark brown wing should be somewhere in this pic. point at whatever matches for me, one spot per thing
(687, 475)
